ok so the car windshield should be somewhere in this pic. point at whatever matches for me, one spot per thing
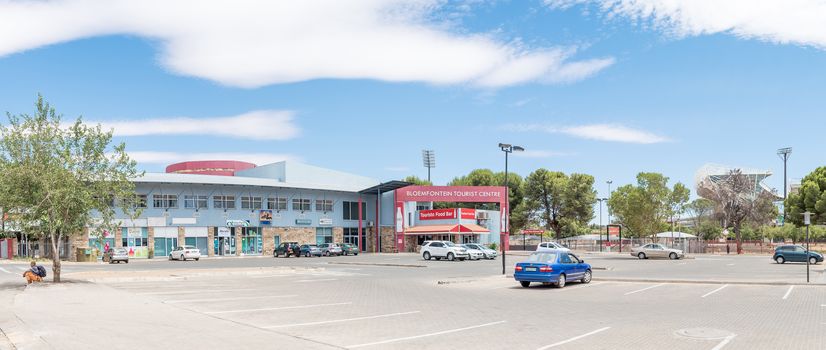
(450, 244)
(120, 251)
(189, 247)
(542, 257)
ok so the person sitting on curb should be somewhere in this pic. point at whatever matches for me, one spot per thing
(35, 273)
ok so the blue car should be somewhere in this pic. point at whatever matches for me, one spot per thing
(556, 267)
(795, 253)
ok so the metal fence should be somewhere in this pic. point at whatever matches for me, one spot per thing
(689, 246)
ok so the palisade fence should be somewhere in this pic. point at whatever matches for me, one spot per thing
(689, 246)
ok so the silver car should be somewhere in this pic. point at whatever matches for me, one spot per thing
(328, 249)
(656, 250)
(117, 255)
(473, 252)
(488, 253)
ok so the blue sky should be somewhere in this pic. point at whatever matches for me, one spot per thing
(603, 87)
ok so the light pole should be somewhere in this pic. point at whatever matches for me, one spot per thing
(784, 154)
(600, 200)
(429, 160)
(507, 148)
(609, 182)
(807, 220)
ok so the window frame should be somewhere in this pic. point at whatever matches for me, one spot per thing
(223, 200)
(301, 203)
(324, 205)
(275, 203)
(167, 201)
(196, 201)
(249, 202)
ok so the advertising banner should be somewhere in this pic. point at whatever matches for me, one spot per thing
(325, 222)
(265, 217)
(438, 214)
(467, 213)
(223, 232)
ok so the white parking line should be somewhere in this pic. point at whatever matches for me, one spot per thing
(4, 270)
(205, 291)
(276, 308)
(574, 338)
(319, 280)
(343, 320)
(729, 264)
(646, 288)
(714, 291)
(788, 292)
(423, 335)
(725, 341)
(227, 299)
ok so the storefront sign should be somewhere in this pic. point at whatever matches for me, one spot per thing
(325, 222)
(489, 194)
(236, 223)
(134, 232)
(466, 213)
(613, 230)
(223, 232)
(303, 222)
(265, 217)
(437, 214)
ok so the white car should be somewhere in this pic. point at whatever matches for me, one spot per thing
(488, 253)
(443, 249)
(473, 253)
(546, 246)
(184, 253)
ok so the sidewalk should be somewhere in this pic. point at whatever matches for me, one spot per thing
(80, 315)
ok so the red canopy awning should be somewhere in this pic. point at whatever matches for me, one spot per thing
(446, 229)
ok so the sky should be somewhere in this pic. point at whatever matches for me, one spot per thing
(604, 87)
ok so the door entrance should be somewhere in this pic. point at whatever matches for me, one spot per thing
(164, 246)
(224, 246)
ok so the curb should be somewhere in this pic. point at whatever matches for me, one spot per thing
(374, 264)
(747, 283)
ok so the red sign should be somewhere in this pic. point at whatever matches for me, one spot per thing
(613, 230)
(466, 213)
(533, 231)
(437, 214)
(483, 194)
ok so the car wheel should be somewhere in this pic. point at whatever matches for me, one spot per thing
(525, 284)
(780, 260)
(326, 253)
(641, 255)
(426, 255)
(450, 256)
(438, 258)
(672, 256)
(587, 277)
(356, 254)
(170, 257)
(812, 260)
(560, 283)
(196, 259)
(274, 254)
(127, 261)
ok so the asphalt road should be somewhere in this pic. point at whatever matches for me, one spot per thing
(402, 302)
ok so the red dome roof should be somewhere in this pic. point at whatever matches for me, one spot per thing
(209, 167)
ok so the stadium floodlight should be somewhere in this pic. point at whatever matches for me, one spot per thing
(429, 160)
(784, 153)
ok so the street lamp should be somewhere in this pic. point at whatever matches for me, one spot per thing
(784, 154)
(600, 200)
(507, 148)
(807, 220)
(609, 182)
(429, 160)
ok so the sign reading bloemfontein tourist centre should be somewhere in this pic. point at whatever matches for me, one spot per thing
(452, 193)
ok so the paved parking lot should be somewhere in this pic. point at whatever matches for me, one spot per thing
(373, 301)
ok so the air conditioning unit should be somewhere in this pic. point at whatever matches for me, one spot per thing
(369, 224)
(482, 215)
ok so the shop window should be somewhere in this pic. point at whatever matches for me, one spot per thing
(351, 211)
(277, 203)
(223, 202)
(324, 205)
(164, 200)
(195, 202)
(251, 203)
(323, 235)
(251, 243)
(302, 204)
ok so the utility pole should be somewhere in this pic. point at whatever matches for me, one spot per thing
(784, 154)
(609, 182)
(507, 148)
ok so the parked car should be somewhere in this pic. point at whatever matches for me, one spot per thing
(473, 253)
(546, 246)
(309, 250)
(185, 252)
(443, 249)
(557, 267)
(656, 250)
(286, 249)
(348, 249)
(328, 249)
(116, 255)
(488, 253)
(795, 253)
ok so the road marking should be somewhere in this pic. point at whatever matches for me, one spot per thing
(227, 299)
(725, 341)
(4, 270)
(714, 291)
(276, 308)
(423, 335)
(574, 338)
(646, 288)
(343, 320)
(729, 264)
(196, 291)
(319, 280)
(788, 292)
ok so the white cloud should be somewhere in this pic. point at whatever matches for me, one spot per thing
(257, 125)
(801, 22)
(601, 132)
(151, 157)
(539, 154)
(252, 43)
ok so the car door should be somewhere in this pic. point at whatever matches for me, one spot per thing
(799, 254)
(438, 249)
(658, 251)
(576, 267)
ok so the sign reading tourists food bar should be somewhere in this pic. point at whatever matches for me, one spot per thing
(437, 214)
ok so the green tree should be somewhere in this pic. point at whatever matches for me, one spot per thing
(54, 177)
(700, 211)
(417, 181)
(486, 177)
(562, 202)
(644, 208)
(811, 197)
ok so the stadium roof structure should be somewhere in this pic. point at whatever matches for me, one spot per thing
(715, 173)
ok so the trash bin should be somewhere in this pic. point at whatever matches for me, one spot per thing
(85, 254)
